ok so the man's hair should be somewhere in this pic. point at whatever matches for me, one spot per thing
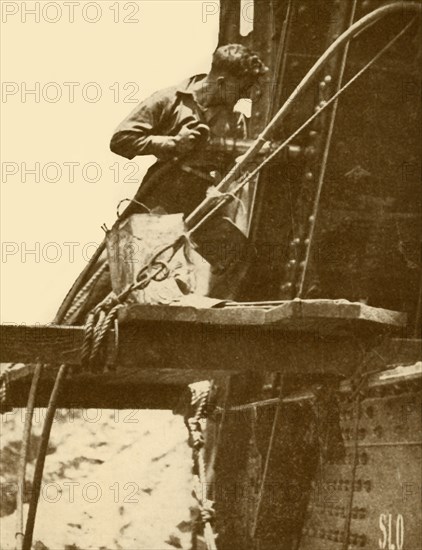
(238, 61)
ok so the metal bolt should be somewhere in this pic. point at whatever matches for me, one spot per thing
(364, 459)
(361, 433)
(310, 151)
(378, 431)
(361, 541)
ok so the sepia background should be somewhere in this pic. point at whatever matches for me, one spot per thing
(171, 40)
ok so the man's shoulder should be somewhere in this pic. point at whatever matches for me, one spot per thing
(171, 92)
(188, 84)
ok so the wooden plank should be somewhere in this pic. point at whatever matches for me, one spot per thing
(296, 336)
(298, 315)
(184, 314)
(169, 347)
(203, 349)
(334, 312)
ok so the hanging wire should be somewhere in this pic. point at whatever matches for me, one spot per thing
(23, 457)
(42, 451)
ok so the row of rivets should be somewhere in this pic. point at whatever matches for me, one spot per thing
(293, 263)
(349, 435)
(335, 535)
(344, 485)
(340, 511)
(362, 458)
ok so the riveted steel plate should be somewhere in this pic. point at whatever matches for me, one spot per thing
(377, 481)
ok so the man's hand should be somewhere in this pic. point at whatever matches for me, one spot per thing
(190, 136)
(187, 139)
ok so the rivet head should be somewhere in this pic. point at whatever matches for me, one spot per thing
(322, 84)
(328, 78)
(364, 458)
(313, 133)
(309, 176)
(367, 485)
(310, 151)
(378, 431)
(311, 219)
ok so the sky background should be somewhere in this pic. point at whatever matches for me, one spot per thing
(168, 41)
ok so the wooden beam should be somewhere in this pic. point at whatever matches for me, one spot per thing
(154, 349)
(163, 388)
(298, 336)
(84, 392)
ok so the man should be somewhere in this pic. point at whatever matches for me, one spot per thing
(176, 123)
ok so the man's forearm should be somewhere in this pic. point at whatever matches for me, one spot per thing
(132, 144)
